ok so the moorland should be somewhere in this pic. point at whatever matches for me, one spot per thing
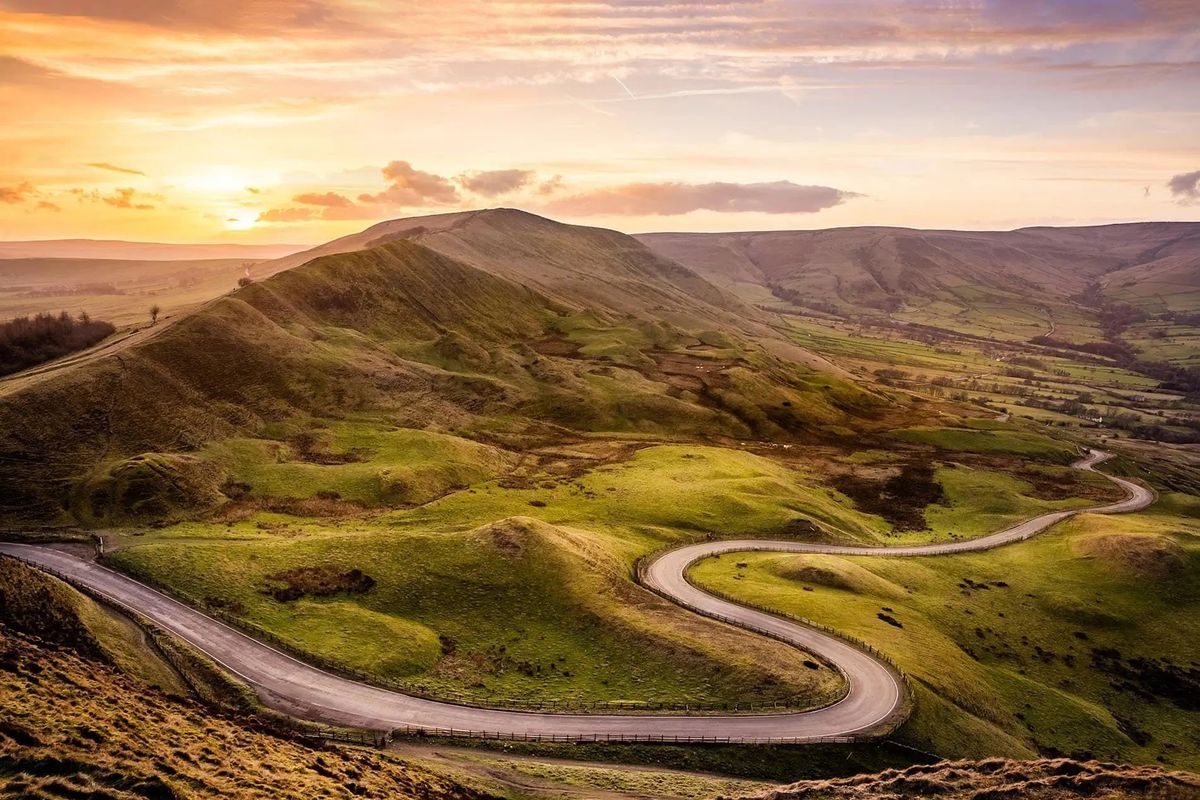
(432, 454)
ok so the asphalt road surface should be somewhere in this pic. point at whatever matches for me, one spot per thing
(875, 696)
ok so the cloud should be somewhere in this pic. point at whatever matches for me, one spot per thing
(238, 15)
(490, 183)
(551, 185)
(1185, 188)
(791, 88)
(25, 192)
(114, 168)
(317, 212)
(328, 199)
(672, 198)
(17, 194)
(287, 215)
(412, 187)
(126, 198)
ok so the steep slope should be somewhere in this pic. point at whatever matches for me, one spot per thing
(402, 329)
(72, 726)
(581, 266)
(1011, 284)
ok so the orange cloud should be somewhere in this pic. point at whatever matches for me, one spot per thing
(491, 183)
(25, 192)
(16, 194)
(412, 187)
(126, 198)
(329, 199)
(287, 215)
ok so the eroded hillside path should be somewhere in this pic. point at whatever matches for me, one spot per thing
(875, 696)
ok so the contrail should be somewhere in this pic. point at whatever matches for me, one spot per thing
(621, 83)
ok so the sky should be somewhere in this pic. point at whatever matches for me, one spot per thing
(272, 121)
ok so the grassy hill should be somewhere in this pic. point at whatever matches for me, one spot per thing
(430, 339)
(432, 452)
(1008, 285)
(1081, 642)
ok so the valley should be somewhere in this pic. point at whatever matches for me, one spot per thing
(424, 464)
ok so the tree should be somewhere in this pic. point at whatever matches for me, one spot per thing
(154, 312)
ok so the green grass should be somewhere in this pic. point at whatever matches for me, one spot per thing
(982, 501)
(1008, 669)
(388, 465)
(460, 610)
(662, 493)
(537, 606)
(971, 440)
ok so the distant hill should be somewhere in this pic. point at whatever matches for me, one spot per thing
(579, 265)
(115, 289)
(141, 251)
(1005, 284)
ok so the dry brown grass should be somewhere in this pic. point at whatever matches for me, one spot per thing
(1002, 779)
(72, 727)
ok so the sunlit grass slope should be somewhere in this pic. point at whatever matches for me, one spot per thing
(1083, 641)
(522, 592)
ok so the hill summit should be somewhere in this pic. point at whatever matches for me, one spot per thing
(495, 325)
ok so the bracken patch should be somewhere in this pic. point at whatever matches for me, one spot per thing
(321, 581)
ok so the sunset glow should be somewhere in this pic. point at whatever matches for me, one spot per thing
(299, 121)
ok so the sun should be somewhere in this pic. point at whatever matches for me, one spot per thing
(241, 219)
(216, 180)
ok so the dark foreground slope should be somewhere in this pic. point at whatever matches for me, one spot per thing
(999, 779)
(404, 329)
(77, 722)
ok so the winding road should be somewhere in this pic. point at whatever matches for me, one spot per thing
(875, 696)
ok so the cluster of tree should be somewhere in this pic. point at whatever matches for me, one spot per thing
(801, 300)
(1114, 317)
(890, 377)
(74, 288)
(1171, 376)
(1156, 431)
(29, 341)
(1118, 351)
(1182, 317)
